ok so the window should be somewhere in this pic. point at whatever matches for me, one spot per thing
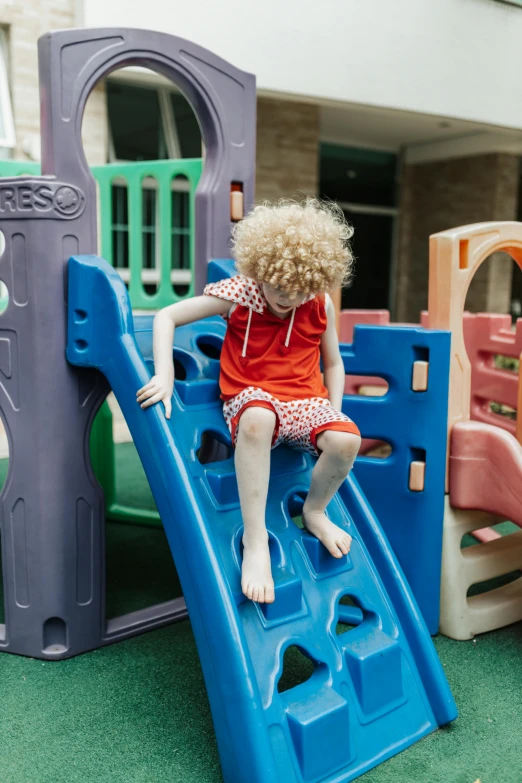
(364, 184)
(150, 123)
(7, 131)
(187, 128)
(135, 123)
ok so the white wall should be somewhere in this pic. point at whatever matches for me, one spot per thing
(455, 58)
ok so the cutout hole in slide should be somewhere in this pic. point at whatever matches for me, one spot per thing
(295, 508)
(298, 667)
(210, 345)
(213, 448)
(349, 615)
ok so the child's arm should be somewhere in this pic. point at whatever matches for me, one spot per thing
(333, 367)
(161, 385)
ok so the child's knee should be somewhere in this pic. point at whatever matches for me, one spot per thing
(344, 445)
(257, 424)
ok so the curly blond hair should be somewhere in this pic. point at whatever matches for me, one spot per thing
(295, 246)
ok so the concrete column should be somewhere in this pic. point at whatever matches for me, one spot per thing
(287, 149)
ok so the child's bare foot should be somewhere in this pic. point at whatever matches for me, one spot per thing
(256, 574)
(336, 540)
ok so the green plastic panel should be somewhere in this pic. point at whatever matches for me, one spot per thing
(132, 175)
(168, 224)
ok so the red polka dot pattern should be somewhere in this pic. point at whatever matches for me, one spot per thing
(239, 289)
(243, 291)
(297, 419)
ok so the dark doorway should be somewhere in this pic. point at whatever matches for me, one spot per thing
(364, 184)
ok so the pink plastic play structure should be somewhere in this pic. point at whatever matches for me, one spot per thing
(355, 384)
(486, 335)
(484, 448)
(486, 470)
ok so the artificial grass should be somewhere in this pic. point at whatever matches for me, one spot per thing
(137, 711)
(132, 487)
(140, 569)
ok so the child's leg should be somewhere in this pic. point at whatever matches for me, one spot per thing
(338, 453)
(252, 462)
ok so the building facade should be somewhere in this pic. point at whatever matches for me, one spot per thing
(404, 113)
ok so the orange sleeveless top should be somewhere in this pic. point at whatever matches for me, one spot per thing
(280, 356)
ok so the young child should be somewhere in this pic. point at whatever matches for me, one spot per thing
(280, 322)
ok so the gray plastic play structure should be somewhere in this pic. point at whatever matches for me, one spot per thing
(369, 696)
(52, 508)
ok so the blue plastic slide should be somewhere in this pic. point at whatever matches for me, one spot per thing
(377, 685)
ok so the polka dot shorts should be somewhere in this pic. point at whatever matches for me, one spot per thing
(298, 422)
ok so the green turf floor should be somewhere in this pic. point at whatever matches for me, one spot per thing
(137, 712)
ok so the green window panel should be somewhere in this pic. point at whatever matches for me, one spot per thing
(152, 227)
(135, 121)
(147, 225)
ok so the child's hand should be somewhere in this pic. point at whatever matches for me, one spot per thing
(156, 389)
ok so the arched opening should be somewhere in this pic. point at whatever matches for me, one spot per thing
(146, 193)
(494, 286)
(143, 143)
(492, 308)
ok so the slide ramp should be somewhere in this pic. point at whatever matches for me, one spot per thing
(377, 685)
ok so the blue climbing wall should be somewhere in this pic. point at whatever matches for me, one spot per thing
(415, 426)
(377, 685)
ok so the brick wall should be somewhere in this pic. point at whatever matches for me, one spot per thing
(26, 21)
(444, 194)
(287, 149)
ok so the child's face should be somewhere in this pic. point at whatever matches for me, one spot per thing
(282, 302)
